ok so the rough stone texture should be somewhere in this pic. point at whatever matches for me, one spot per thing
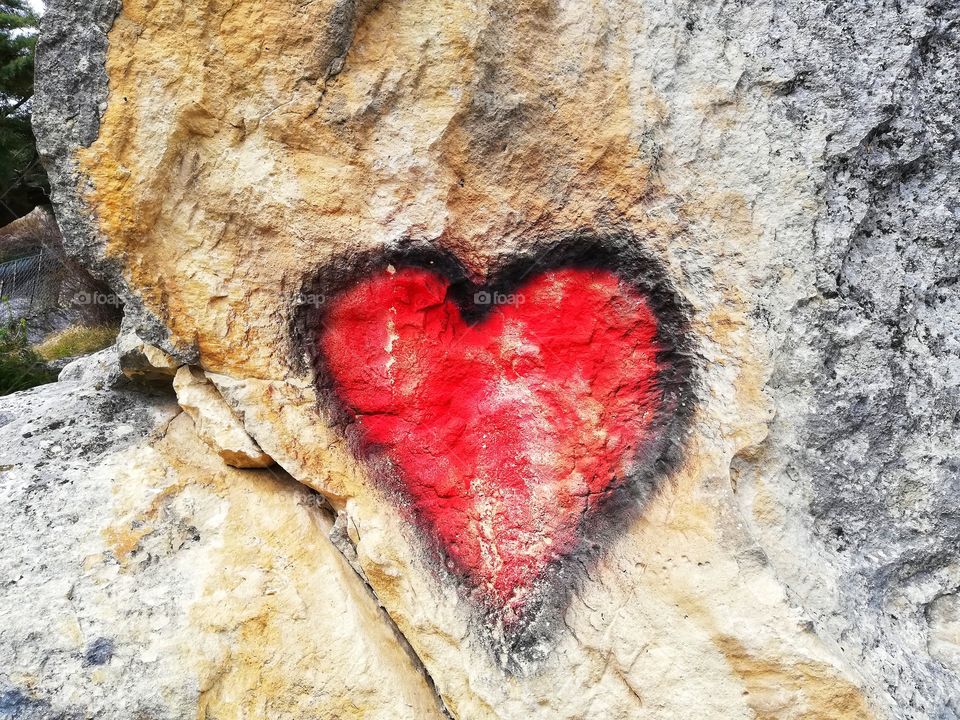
(215, 422)
(142, 362)
(70, 97)
(943, 615)
(861, 462)
(791, 165)
(101, 369)
(150, 580)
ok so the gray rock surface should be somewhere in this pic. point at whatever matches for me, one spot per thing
(141, 578)
(71, 94)
(867, 370)
(58, 628)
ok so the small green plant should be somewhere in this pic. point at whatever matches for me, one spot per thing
(77, 340)
(20, 367)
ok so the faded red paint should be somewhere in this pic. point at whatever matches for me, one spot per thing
(505, 433)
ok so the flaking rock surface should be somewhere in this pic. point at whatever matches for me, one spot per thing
(791, 169)
(142, 577)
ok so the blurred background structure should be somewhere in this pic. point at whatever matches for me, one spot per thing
(51, 309)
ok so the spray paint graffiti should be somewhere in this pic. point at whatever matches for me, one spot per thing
(520, 419)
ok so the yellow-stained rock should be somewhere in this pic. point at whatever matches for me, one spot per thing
(246, 145)
(215, 423)
(158, 582)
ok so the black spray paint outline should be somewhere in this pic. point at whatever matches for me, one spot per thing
(521, 645)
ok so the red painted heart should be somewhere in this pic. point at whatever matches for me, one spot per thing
(507, 431)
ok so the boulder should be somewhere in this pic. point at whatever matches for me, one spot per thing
(215, 422)
(142, 577)
(618, 338)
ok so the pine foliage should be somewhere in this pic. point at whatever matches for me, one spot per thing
(22, 180)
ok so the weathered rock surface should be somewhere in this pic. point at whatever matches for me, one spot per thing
(215, 422)
(789, 167)
(144, 363)
(141, 577)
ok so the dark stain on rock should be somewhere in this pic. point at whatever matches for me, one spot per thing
(99, 652)
(17, 705)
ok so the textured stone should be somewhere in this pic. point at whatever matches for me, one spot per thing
(101, 369)
(144, 363)
(790, 168)
(70, 96)
(215, 422)
(150, 580)
(944, 617)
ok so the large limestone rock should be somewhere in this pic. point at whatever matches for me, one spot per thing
(774, 184)
(142, 577)
(215, 422)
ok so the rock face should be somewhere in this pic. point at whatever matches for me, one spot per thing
(151, 580)
(619, 340)
(215, 422)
